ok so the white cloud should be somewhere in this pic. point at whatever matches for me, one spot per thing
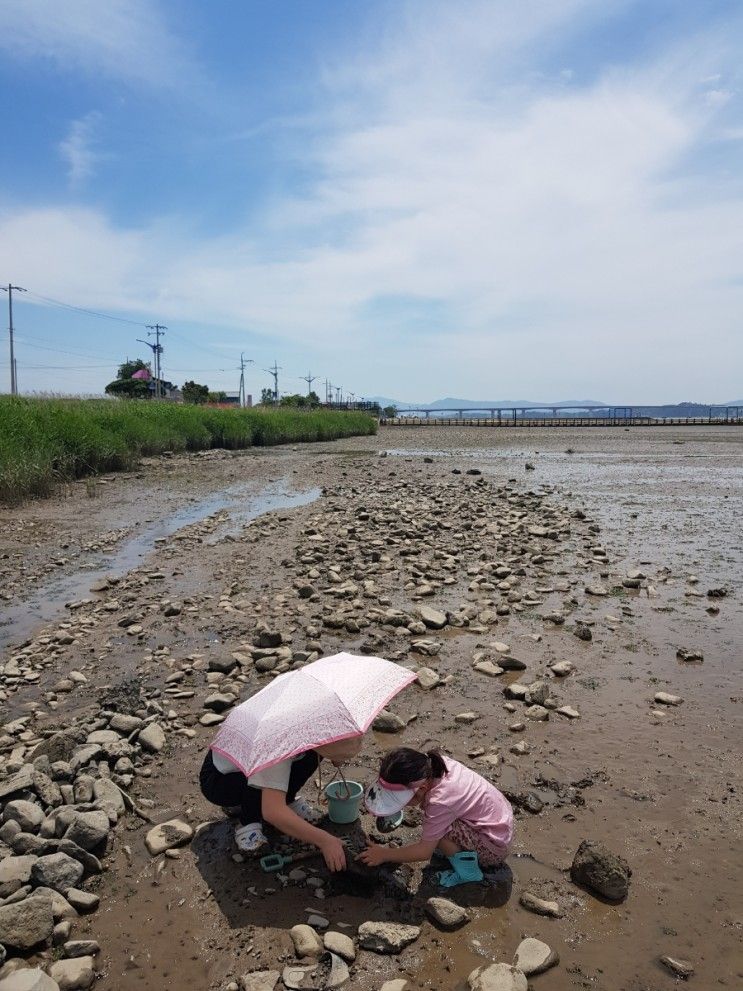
(78, 148)
(555, 224)
(121, 39)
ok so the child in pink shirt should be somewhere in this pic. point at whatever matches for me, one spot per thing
(464, 816)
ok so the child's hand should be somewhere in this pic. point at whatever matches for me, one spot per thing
(373, 856)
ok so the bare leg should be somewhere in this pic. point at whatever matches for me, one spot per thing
(448, 847)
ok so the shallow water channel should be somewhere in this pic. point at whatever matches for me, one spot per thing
(48, 599)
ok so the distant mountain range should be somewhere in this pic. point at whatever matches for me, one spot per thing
(684, 409)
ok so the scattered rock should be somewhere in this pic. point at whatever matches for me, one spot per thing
(72, 975)
(497, 977)
(664, 698)
(26, 923)
(598, 869)
(388, 722)
(680, 968)
(689, 654)
(427, 678)
(259, 980)
(152, 738)
(433, 618)
(446, 913)
(306, 941)
(539, 906)
(387, 937)
(341, 945)
(57, 871)
(28, 979)
(167, 835)
(533, 956)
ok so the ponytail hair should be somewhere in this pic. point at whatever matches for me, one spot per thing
(405, 765)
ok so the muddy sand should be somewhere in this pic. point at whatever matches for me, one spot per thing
(129, 623)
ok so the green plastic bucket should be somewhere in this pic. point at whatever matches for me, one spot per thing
(343, 809)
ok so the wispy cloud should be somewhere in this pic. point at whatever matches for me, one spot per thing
(120, 39)
(562, 229)
(78, 149)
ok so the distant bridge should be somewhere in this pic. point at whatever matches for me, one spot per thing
(552, 416)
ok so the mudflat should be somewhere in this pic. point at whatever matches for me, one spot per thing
(598, 568)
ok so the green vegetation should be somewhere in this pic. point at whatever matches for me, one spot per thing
(124, 386)
(47, 441)
(195, 393)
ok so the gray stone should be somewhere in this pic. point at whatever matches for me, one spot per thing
(664, 698)
(497, 977)
(28, 979)
(24, 924)
(341, 945)
(81, 948)
(509, 663)
(399, 984)
(537, 693)
(82, 901)
(539, 905)
(562, 668)
(73, 975)
(537, 713)
(222, 664)
(259, 980)
(488, 668)
(597, 868)
(388, 722)
(294, 977)
(58, 871)
(387, 937)
(47, 790)
(533, 956)
(123, 723)
(433, 618)
(338, 973)
(167, 835)
(88, 829)
(106, 793)
(152, 738)
(22, 781)
(569, 711)
(445, 913)
(306, 941)
(28, 815)
(679, 968)
(427, 678)
(15, 872)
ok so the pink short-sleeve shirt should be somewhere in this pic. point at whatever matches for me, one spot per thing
(463, 794)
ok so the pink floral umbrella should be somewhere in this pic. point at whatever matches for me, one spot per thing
(331, 699)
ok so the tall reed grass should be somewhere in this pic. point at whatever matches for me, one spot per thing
(47, 441)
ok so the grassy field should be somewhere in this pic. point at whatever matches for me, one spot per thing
(47, 441)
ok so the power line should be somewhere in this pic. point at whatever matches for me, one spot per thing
(13, 366)
(82, 309)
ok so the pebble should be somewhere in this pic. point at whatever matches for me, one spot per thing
(446, 913)
(341, 945)
(73, 975)
(259, 980)
(387, 937)
(680, 968)
(497, 977)
(664, 698)
(173, 833)
(306, 941)
(539, 906)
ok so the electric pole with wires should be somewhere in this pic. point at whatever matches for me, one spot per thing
(275, 372)
(157, 349)
(309, 378)
(243, 363)
(13, 367)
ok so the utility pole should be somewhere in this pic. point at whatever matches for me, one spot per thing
(13, 367)
(243, 363)
(338, 393)
(157, 330)
(309, 378)
(275, 372)
(328, 392)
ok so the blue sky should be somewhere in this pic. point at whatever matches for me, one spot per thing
(492, 199)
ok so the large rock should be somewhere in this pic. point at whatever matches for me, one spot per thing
(106, 792)
(28, 979)
(57, 871)
(427, 678)
(72, 975)
(533, 956)
(306, 941)
(433, 618)
(445, 913)
(88, 829)
(386, 937)
(28, 815)
(167, 835)
(597, 868)
(24, 924)
(497, 977)
(14, 873)
(152, 738)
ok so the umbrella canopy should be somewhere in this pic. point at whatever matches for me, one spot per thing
(331, 699)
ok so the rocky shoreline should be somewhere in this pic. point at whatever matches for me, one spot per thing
(499, 593)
